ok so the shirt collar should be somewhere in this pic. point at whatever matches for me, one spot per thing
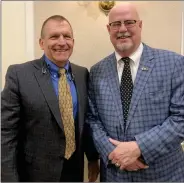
(134, 56)
(53, 67)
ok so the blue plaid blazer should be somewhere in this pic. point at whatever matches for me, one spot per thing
(156, 116)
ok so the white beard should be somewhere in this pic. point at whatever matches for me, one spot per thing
(124, 46)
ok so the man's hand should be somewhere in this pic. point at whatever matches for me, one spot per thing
(135, 166)
(93, 170)
(126, 154)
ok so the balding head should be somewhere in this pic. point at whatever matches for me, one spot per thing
(124, 9)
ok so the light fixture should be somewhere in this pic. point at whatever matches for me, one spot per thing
(106, 6)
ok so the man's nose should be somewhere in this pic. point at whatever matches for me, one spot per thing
(62, 40)
(122, 28)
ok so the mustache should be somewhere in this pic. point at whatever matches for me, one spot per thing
(123, 34)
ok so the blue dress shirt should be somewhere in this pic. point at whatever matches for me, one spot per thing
(54, 69)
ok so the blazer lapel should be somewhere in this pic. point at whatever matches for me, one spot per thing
(44, 80)
(113, 82)
(144, 70)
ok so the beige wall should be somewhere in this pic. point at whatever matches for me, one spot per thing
(161, 26)
(13, 34)
(17, 34)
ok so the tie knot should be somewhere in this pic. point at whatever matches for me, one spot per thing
(62, 71)
(126, 60)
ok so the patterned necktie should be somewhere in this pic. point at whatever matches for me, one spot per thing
(66, 109)
(126, 87)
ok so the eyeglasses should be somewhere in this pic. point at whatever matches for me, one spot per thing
(127, 23)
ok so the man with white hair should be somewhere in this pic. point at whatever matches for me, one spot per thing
(136, 98)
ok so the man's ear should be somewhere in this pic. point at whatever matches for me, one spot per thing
(140, 24)
(108, 28)
(73, 40)
(41, 43)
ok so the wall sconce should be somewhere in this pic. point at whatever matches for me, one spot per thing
(106, 6)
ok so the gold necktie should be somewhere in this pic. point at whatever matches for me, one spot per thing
(66, 109)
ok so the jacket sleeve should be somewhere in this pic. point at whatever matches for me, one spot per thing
(10, 117)
(89, 147)
(163, 139)
(100, 136)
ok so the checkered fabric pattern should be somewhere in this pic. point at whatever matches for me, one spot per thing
(155, 120)
(66, 108)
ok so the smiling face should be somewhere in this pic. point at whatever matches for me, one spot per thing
(125, 37)
(57, 41)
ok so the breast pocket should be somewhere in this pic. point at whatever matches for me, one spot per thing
(156, 97)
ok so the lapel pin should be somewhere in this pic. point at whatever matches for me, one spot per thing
(144, 69)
